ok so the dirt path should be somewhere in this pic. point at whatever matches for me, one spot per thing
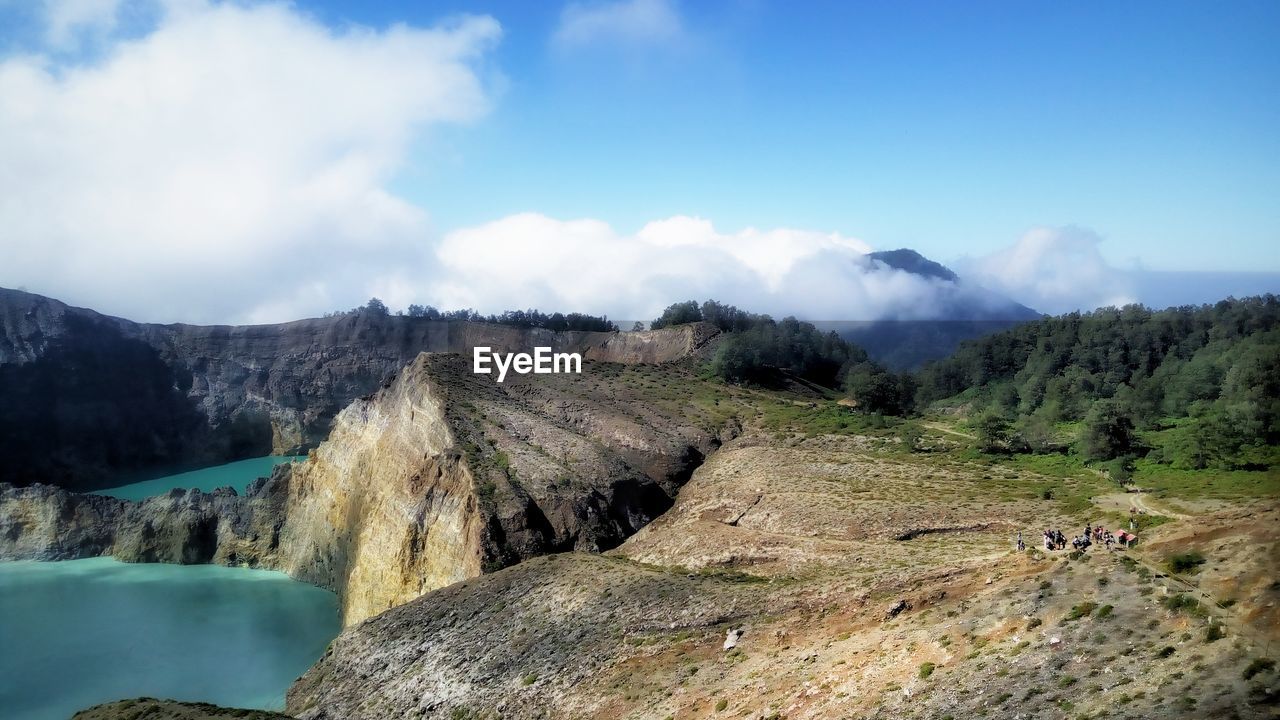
(933, 425)
(1139, 501)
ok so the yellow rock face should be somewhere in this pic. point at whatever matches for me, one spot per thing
(385, 510)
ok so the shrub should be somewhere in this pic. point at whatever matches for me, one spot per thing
(1184, 603)
(721, 704)
(926, 669)
(1104, 612)
(1213, 632)
(1166, 651)
(1081, 610)
(1258, 666)
(1185, 562)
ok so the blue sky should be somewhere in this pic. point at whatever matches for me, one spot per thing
(614, 155)
(948, 127)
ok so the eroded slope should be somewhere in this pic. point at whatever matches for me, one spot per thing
(867, 582)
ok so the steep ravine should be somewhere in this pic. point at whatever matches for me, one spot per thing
(438, 476)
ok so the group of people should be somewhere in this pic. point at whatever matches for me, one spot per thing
(1055, 540)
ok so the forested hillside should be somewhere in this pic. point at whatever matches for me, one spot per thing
(756, 347)
(1201, 384)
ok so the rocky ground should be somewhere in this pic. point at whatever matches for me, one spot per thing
(863, 585)
(151, 709)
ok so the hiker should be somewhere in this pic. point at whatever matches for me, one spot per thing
(1021, 545)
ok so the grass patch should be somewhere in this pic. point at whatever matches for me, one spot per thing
(823, 418)
(1206, 484)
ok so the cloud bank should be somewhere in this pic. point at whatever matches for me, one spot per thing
(531, 260)
(1053, 270)
(235, 157)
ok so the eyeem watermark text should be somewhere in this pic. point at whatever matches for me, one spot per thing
(541, 362)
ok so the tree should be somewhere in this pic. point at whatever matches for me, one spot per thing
(993, 432)
(910, 435)
(1108, 432)
(637, 327)
(875, 390)
(376, 307)
(1036, 432)
(678, 314)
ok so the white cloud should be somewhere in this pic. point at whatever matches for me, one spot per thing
(235, 157)
(627, 21)
(531, 260)
(1054, 270)
(66, 19)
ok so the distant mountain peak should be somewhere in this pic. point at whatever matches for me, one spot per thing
(913, 262)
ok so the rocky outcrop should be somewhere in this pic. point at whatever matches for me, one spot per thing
(178, 396)
(440, 475)
(443, 474)
(43, 522)
(152, 709)
(520, 643)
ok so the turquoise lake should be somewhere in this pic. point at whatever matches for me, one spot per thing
(236, 474)
(82, 632)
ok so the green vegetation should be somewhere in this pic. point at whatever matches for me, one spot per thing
(757, 347)
(1258, 666)
(926, 669)
(1084, 609)
(559, 322)
(1183, 563)
(1188, 388)
(1184, 603)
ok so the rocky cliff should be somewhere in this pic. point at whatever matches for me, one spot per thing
(443, 474)
(178, 396)
(438, 476)
(44, 522)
